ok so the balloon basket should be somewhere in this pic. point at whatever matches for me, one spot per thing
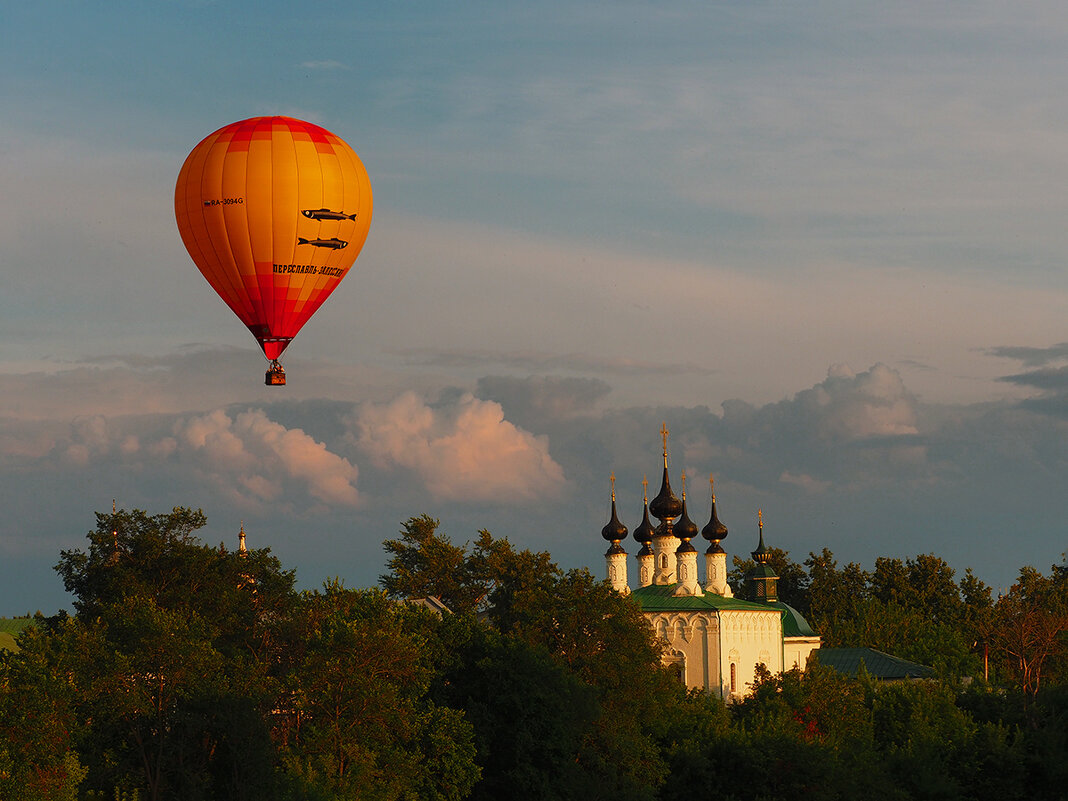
(276, 376)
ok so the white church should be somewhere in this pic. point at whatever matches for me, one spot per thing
(713, 639)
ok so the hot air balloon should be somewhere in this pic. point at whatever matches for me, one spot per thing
(273, 212)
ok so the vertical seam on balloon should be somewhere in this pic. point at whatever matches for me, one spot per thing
(291, 304)
(342, 153)
(237, 283)
(282, 312)
(203, 178)
(269, 319)
(273, 322)
(318, 284)
(316, 287)
(194, 242)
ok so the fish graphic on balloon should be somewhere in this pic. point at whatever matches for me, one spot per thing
(333, 244)
(240, 199)
(326, 214)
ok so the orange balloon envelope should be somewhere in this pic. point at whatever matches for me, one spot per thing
(274, 212)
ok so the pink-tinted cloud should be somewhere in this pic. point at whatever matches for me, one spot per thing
(851, 406)
(464, 451)
(261, 453)
(246, 456)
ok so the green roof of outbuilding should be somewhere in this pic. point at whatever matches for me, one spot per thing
(793, 622)
(659, 598)
(878, 664)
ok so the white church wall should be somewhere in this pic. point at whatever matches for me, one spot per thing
(748, 638)
(692, 644)
(796, 651)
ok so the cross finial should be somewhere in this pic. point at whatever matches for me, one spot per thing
(645, 489)
(664, 435)
(712, 487)
(760, 520)
(612, 481)
(684, 485)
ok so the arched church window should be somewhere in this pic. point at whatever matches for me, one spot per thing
(645, 575)
(734, 678)
(612, 573)
(663, 561)
(682, 572)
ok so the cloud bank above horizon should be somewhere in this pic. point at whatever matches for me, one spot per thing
(855, 462)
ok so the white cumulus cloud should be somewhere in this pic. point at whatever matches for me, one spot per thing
(852, 407)
(462, 451)
(260, 454)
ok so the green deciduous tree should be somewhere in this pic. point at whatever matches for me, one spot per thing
(598, 646)
(1027, 628)
(175, 654)
(38, 726)
(924, 584)
(530, 715)
(832, 593)
(424, 562)
(357, 721)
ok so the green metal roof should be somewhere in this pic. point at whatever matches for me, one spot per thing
(659, 598)
(793, 622)
(761, 571)
(878, 664)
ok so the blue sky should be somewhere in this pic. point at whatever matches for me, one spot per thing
(824, 242)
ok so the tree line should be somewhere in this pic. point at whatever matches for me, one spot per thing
(914, 608)
(191, 672)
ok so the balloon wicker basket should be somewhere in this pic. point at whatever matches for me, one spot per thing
(276, 375)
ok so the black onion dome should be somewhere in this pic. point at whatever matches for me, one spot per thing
(714, 530)
(685, 529)
(665, 506)
(614, 531)
(645, 532)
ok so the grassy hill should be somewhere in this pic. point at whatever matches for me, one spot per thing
(10, 627)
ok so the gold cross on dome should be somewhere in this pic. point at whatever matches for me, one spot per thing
(612, 480)
(645, 488)
(664, 435)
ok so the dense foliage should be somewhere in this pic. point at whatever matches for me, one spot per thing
(192, 672)
(915, 609)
